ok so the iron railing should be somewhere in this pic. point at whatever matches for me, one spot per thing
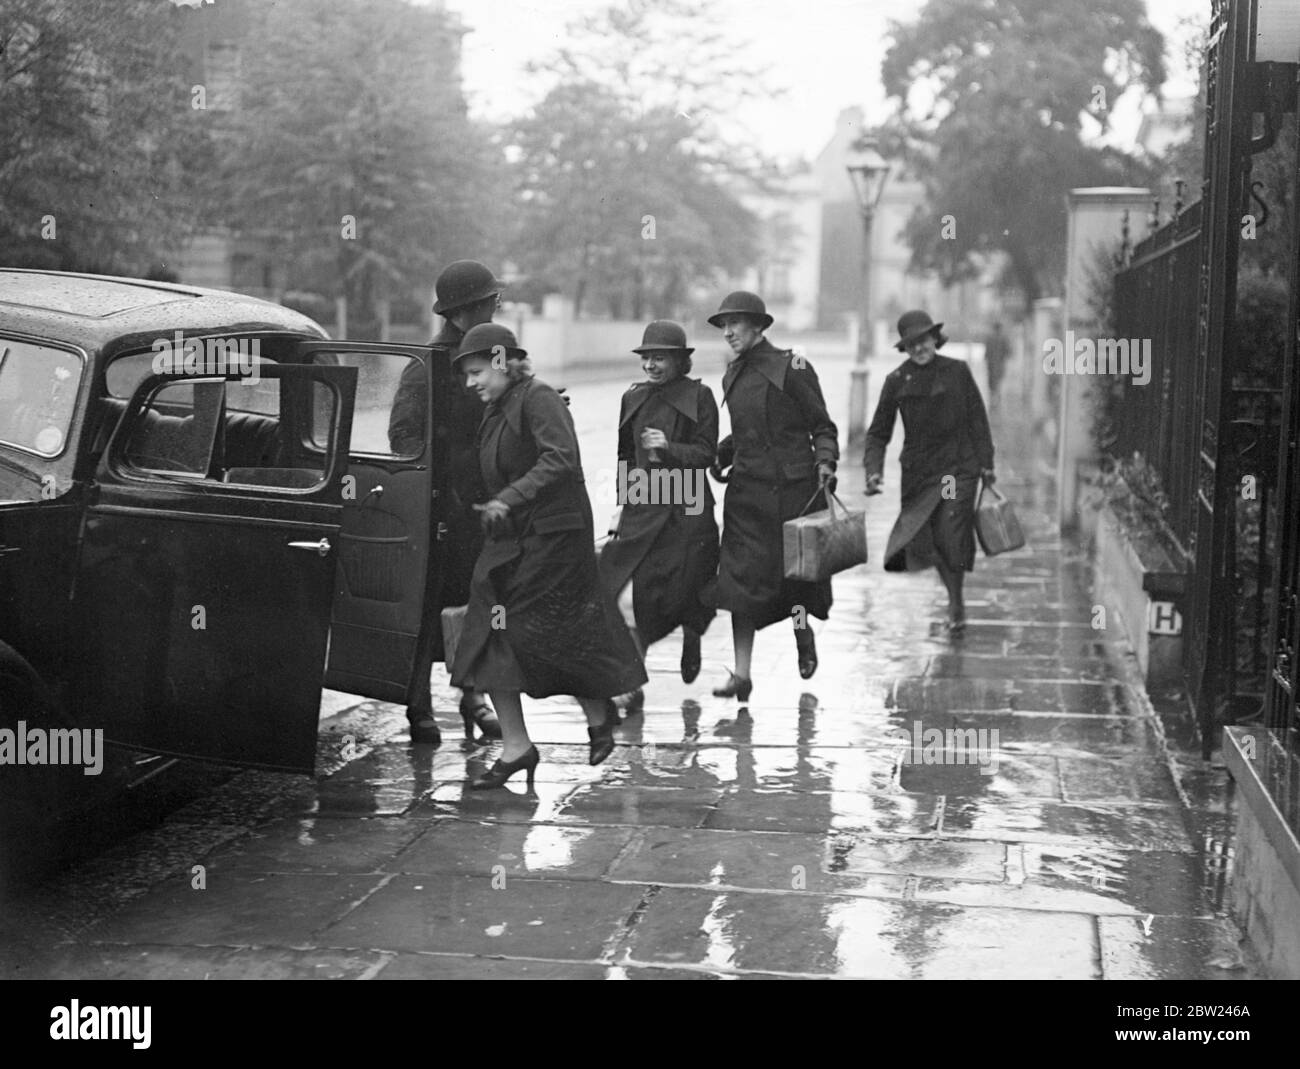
(1156, 301)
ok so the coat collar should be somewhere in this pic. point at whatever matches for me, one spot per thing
(681, 394)
(511, 406)
(924, 382)
(765, 358)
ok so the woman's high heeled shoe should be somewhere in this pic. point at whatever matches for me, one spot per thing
(602, 737)
(736, 687)
(803, 638)
(501, 771)
(690, 656)
(475, 712)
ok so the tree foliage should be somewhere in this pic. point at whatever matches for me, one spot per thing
(631, 171)
(991, 103)
(351, 150)
(99, 150)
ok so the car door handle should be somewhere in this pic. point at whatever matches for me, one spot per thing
(322, 547)
(10, 549)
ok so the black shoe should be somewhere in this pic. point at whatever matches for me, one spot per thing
(424, 729)
(955, 625)
(602, 737)
(501, 771)
(690, 656)
(803, 638)
(475, 711)
(736, 688)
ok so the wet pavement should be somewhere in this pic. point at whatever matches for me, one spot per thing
(1005, 805)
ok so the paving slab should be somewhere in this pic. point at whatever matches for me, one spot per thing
(240, 909)
(814, 935)
(468, 915)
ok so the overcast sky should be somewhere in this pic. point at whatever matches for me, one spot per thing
(826, 53)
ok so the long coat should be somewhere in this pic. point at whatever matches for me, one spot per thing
(669, 542)
(536, 587)
(458, 410)
(945, 433)
(780, 431)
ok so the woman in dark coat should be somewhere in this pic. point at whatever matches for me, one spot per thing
(538, 620)
(467, 294)
(782, 450)
(663, 560)
(947, 449)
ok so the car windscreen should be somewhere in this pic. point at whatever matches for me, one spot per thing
(38, 395)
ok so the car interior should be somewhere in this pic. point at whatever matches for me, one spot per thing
(209, 429)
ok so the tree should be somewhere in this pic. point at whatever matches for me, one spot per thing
(99, 149)
(351, 149)
(631, 169)
(991, 103)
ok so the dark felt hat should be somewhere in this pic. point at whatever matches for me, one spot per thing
(463, 283)
(489, 339)
(914, 325)
(663, 335)
(742, 302)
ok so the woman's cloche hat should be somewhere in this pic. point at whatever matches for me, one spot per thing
(914, 325)
(742, 302)
(663, 335)
(484, 339)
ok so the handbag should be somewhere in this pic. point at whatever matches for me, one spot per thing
(996, 525)
(453, 626)
(823, 543)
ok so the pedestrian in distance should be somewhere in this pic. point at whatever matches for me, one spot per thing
(947, 450)
(781, 453)
(467, 294)
(662, 562)
(539, 622)
(996, 351)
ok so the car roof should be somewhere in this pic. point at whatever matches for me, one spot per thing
(97, 312)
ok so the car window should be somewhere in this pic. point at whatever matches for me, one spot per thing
(177, 428)
(392, 403)
(38, 395)
(124, 375)
(220, 431)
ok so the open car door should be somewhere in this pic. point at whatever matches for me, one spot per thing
(390, 556)
(206, 570)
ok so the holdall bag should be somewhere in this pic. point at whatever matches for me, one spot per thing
(823, 543)
(996, 525)
(453, 626)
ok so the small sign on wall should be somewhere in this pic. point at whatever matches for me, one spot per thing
(1164, 619)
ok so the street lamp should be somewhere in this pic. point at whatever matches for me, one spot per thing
(867, 171)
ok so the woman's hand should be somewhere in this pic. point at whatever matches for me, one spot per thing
(826, 476)
(653, 439)
(495, 518)
(873, 484)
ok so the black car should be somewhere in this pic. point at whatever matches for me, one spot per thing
(202, 522)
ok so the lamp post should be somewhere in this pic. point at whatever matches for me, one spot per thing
(868, 171)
